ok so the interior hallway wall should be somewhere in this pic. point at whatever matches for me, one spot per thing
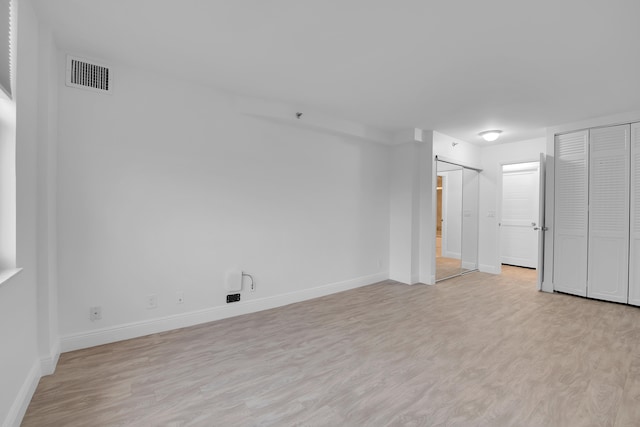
(456, 150)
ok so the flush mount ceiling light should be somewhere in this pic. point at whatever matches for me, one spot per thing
(490, 135)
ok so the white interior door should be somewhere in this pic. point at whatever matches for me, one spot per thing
(608, 273)
(570, 213)
(520, 203)
(634, 247)
(541, 227)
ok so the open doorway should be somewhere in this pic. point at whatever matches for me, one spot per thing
(519, 218)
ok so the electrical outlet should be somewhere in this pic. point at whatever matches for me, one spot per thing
(152, 301)
(95, 313)
(233, 298)
(179, 297)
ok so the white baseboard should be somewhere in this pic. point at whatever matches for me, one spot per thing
(23, 398)
(400, 278)
(448, 254)
(469, 265)
(487, 268)
(48, 364)
(147, 327)
(547, 286)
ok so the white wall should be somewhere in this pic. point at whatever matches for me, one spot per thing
(412, 241)
(493, 157)
(425, 222)
(19, 359)
(457, 150)
(48, 339)
(163, 187)
(403, 208)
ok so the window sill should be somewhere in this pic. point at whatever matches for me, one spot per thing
(7, 274)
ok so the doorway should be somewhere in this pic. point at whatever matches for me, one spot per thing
(457, 189)
(519, 219)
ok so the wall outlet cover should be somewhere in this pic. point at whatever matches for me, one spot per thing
(233, 298)
(152, 301)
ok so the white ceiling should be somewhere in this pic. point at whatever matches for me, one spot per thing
(458, 67)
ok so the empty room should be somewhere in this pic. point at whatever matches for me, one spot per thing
(327, 213)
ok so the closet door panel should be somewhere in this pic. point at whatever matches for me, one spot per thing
(570, 213)
(608, 269)
(609, 158)
(634, 270)
(634, 256)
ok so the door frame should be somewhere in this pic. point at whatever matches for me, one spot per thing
(499, 203)
(434, 178)
(443, 231)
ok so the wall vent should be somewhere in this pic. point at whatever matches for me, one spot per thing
(89, 75)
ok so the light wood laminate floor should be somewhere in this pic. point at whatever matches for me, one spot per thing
(478, 350)
(447, 267)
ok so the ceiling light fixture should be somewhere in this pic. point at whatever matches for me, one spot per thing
(490, 135)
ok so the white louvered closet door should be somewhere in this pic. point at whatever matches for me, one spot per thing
(634, 255)
(608, 274)
(571, 216)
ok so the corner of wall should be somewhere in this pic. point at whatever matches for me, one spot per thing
(23, 397)
(47, 289)
(486, 268)
(48, 363)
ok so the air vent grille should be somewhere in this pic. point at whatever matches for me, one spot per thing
(88, 75)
